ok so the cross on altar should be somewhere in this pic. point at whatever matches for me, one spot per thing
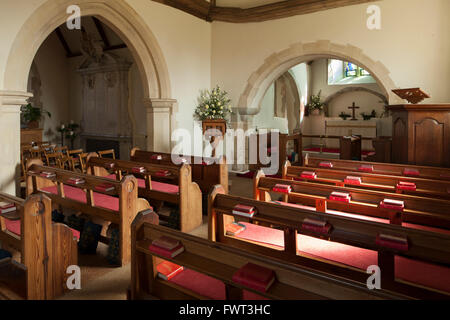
(353, 107)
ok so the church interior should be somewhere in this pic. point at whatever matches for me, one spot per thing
(225, 150)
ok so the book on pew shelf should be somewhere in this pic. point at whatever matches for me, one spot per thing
(162, 173)
(411, 172)
(156, 157)
(46, 174)
(243, 210)
(409, 186)
(393, 242)
(167, 253)
(352, 180)
(315, 225)
(326, 164)
(167, 270)
(308, 175)
(164, 211)
(166, 243)
(255, 277)
(138, 170)
(392, 204)
(6, 207)
(110, 165)
(234, 228)
(340, 196)
(104, 187)
(366, 168)
(76, 181)
(283, 188)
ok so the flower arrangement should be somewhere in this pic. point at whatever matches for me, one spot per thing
(315, 103)
(369, 116)
(213, 105)
(344, 116)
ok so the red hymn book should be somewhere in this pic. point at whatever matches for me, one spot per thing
(255, 277)
(166, 247)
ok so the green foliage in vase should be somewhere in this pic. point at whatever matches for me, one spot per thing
(344, 115)
(213, 105)
(30, 113)
(315, 102)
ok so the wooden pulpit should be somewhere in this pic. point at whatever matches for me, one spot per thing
(421, 134)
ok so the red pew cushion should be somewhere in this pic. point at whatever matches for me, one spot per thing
(156, 185)
(14, 227)
(418, 272)
(100, 200)
(207, 286)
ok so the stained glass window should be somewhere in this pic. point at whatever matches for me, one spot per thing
(346, 72)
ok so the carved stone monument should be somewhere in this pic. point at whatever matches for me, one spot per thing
(105, 92)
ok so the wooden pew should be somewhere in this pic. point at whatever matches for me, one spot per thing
(118, 206)
(219, 262)
(418, 210)
(46, 250)
(178, 187)
(390, 169)
(206, 172)
(439, 189)
(354, 235)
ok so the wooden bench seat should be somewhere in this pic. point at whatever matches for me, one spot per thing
(206, 172)
(176, 188)
(364, 203)
(439, 189)
(390, 169)
(419, 271)
(210, 267)
(118, 206)
(46, 250)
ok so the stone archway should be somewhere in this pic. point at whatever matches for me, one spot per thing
(133, 30)
(278, 63)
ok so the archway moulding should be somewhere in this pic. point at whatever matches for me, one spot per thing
(118, 15)
(123, 20)
(355, 89)
(278, 63)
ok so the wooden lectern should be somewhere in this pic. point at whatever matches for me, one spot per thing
(421, 134)
(350, 148)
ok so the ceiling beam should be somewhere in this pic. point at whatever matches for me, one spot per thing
(198, 8)
(210, 12)
(101, 31)
(63, 41)
(115, 47)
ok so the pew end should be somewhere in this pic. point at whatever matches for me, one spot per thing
(286, 164)
(191, 213)
(212, 218)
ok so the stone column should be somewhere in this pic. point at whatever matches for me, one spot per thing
(10, 102)
(159, 124)
(246, 122)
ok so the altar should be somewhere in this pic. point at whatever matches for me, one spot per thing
(365, 128)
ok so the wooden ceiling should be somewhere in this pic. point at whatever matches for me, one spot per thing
(209, 11)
